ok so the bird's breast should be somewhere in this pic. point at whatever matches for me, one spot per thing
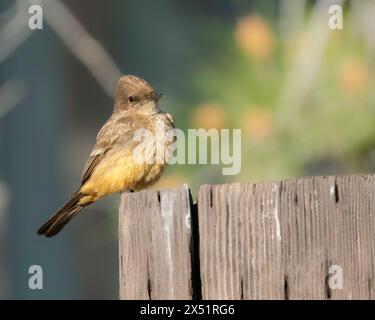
(119, 171)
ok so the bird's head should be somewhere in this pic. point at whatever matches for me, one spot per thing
(134, 93)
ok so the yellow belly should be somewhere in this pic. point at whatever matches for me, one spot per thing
(118, 172)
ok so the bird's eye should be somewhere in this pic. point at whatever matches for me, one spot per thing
(132, 98)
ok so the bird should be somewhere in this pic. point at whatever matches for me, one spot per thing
(111, 166)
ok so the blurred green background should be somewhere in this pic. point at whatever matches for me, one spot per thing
(302, 94)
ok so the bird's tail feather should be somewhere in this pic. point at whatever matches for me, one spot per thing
(62, 216)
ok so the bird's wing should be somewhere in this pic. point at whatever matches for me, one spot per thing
(108, 135)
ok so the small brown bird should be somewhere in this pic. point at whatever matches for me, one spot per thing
(111, 166)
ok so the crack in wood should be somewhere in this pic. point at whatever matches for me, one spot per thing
(286, 288)
(336, 192)
(149, 290)
(211, 197)
(328, 292)
(241, 289)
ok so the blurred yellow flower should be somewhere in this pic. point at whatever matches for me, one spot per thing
(258, 124)
(254, 35)
(354, 77)
(169, 181)
(209, 115)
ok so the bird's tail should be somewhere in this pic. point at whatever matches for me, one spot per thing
(70, 209)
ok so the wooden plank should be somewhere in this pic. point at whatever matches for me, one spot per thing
(288, 239)
(155, 245)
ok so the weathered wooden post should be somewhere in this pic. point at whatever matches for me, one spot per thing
(156, 245)
(311, 238)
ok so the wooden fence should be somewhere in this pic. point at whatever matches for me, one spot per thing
(311, 238)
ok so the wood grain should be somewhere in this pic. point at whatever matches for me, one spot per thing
(281, 240)
(155, 245)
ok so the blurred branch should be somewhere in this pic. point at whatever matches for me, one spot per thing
(11, 93)
(82, 44)
(306, 63)
(71, 32)
(15, 30)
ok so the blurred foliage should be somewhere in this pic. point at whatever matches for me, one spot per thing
(239, 87)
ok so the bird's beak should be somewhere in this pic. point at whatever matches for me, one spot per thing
(156, 96)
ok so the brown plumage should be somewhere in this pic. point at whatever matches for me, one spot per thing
(111, 166)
